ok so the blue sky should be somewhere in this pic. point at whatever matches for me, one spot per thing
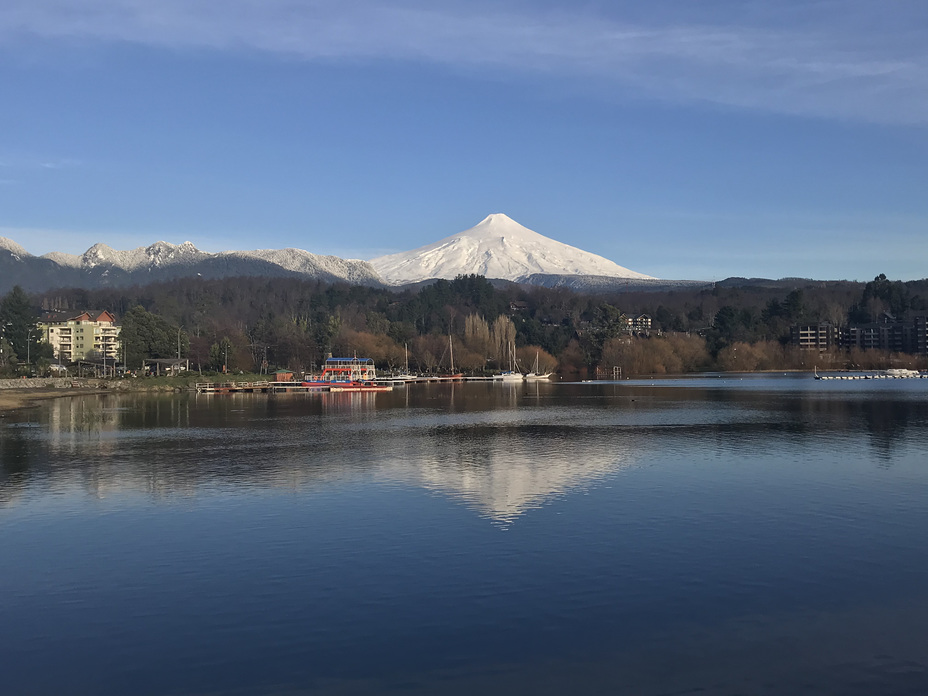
(681, 139)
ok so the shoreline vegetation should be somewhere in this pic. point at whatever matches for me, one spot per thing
(251, 325)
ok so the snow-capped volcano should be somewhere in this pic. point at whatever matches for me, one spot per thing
(498, 247)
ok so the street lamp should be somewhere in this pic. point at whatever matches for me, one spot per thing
(28, 346)
(177, 366)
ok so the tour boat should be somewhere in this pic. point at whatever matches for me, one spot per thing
(347, 374)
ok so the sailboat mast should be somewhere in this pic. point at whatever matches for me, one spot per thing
(451, 349)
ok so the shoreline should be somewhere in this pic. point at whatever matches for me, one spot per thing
(16, 395)
(18, 399)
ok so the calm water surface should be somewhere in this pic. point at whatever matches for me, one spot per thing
(712, 535)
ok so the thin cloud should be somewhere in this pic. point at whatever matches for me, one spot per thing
(27, 163)
(59, 164)
(816, 58)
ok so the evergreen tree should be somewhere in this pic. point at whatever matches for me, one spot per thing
(145, 335)
(221, 354)
(8, 358)
(17, 323)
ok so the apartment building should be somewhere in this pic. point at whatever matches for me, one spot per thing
(90, 333)
(820, 337)
(640, 324)
(890, 334)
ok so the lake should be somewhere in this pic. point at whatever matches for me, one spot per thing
(711, 535)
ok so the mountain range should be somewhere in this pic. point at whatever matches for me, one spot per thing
(102, 266)
(497, 247)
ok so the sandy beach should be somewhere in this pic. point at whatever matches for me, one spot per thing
(13, 399)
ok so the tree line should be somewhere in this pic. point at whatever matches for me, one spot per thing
(260, 324)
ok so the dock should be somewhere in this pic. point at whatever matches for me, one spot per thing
(874, 375)
(265, 387)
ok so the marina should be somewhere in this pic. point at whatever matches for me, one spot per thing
(380, 384)
(338, 375)
(284, 387)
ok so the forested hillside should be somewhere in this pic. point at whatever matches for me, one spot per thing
(255, 323)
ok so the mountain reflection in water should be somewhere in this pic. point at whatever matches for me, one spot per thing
(500, 448)
(500, 462)
(709, 535)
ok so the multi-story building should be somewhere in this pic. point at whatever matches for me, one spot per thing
(640, 324)
(89, 334)
(921, 335)
(820, 337)
(888, 334)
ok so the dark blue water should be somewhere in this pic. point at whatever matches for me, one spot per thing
(712, 536)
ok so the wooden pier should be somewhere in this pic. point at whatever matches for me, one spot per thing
(265, 387)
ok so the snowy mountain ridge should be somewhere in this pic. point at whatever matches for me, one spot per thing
(101, 266)
(12, 247)
(154, 256)
(497, 247)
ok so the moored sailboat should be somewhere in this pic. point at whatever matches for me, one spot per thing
(535, 375)
(406, 376)
(452, 376)
(510, 375)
